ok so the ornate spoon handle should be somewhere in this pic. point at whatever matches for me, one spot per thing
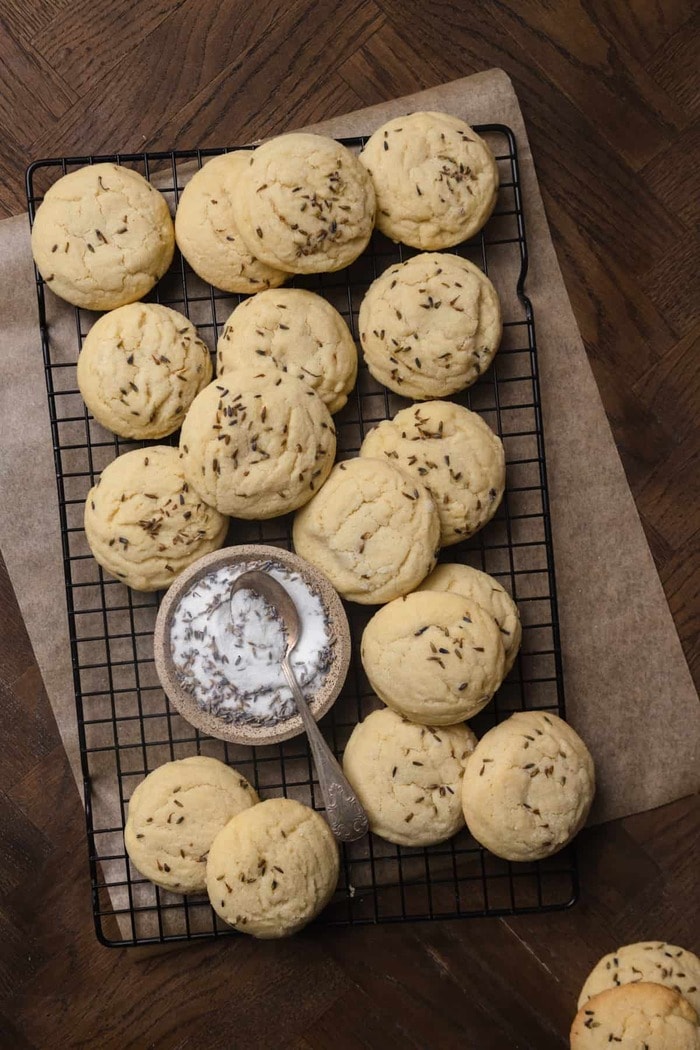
(346, 816)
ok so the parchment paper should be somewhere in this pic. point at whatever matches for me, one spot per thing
(628, 688)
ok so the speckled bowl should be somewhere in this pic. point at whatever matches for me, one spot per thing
(188, 706)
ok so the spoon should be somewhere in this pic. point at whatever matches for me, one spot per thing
(347, 818)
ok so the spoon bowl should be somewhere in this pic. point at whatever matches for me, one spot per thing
(275, 594)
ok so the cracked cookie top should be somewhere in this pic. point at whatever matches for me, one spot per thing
(408, 777)
(140, 368)
(642, 1016)
(528, 786)
(301, 333)
(257, 443)
(207, 232)
(145, 523)
(451, 451)
(429, 327)
(371, 530)
(654, 961)
(174, 816)
(273, 868)
(102, 237)
(435, 658)
(491, 596)
(306, 204)
(435, 179)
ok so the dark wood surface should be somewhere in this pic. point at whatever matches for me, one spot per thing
(610, 95)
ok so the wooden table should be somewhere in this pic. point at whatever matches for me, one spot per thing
(609, 92)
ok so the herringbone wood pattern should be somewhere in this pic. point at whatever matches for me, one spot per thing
(609, 91)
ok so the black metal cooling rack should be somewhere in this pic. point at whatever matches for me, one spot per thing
(125, 724)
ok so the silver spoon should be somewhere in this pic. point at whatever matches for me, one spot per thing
(346, 816)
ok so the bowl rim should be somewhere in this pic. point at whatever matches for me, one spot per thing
(188, 707)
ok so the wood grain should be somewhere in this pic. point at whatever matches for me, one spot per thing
(610, 95)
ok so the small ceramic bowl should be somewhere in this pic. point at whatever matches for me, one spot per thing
(254, 556)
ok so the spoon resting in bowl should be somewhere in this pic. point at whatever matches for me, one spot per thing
(347, 818)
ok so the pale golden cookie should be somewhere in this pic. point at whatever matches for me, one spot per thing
(102, 237)
(207, 232)
(491, 596)
(435, 658)
(258, 443)
(636, 1017)
(297, 331)
(408, 777)
(435, 179)
(140, 368)
(175, 815)
(454, 453)
(145, 523)
(528, 786)
(272, 869)
(305, 204)
(654, 961)
(429, 327)
(371, 530)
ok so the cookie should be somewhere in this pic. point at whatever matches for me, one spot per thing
(207, 232)
(371, 531)
(528, 786)
(257, 444)
(175, 815)
(435, 658)
(140, 368)
(654, 961)
(102, 237)
(272, 869)
(636, 1017)
(408, 777)
(305, 204)
(491, 596)
(298, 332)
(429, 327)
(145, 523)
(454, 453)
(435, 179)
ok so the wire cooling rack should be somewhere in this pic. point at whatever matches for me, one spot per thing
(126, 726)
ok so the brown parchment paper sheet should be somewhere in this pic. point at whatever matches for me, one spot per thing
(628, 689)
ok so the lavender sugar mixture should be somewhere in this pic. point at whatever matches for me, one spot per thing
(228, 651)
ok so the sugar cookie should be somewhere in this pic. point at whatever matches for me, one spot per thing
(371, 530)
(454, 453)
(257, 443)
(528, 786)
(140, 368)
(144, 522)
(408, 777)
(102, 237)
(435, 179)
(175, 815)
(306, 204)
(435, 658)
(430, 327)
(297, 331)
(491, 596)
(273, 868)
(207, 232)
